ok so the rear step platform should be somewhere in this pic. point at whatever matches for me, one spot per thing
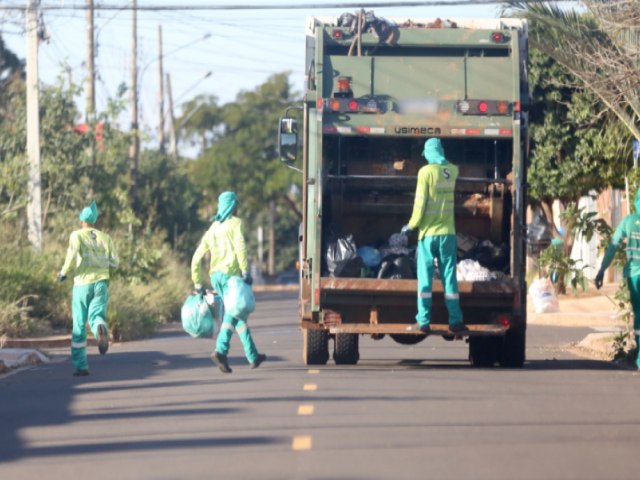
(410, 329)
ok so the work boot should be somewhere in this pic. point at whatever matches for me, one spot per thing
(221, 361)
(256, 363)
(459, 327)
(103, 339)
(416, 327)
(81, 372)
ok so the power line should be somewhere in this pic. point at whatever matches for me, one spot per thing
(292, 6)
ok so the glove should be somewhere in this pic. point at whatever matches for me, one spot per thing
(200, 290)
(405, 230)
(599, 279)
(247, 278)
(61, 277)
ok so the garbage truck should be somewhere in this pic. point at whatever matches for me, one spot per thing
(375, 90)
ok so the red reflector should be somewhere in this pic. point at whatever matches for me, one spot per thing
(516, 107)
(504, 131)
(353, 105)
(316, 296)
(363, 130)
(472, 131)
(319, 103)
(483, 107)
(329, 129)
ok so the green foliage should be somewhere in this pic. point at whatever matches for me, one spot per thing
(563, 269)
(576, 146)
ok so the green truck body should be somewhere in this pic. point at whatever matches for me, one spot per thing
(370, 104)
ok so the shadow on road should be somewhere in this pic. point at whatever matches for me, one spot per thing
(48, 396)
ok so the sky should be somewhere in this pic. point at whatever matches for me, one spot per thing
(241, 48)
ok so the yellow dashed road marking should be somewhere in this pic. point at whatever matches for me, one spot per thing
(310, 387)
(301, 443)
(305, 410)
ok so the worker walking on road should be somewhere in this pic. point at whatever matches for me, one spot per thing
(225, 244)
(92, 255)
(433, 216)
(629, 231)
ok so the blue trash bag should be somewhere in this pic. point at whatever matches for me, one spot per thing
(238, 298)
(199, 318)
(370, 256)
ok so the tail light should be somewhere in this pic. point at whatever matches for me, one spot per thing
(484, 107)
(334, 104)
(504, 320)
(353, 105)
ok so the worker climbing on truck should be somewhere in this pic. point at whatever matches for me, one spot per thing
(433, 216)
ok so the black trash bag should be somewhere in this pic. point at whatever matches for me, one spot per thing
(342, 258)
(490, 256)
(397, 266)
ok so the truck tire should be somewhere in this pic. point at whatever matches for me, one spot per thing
(483, 351)
(346, 349)
(315, 348)
(512, 352)
(407, 339)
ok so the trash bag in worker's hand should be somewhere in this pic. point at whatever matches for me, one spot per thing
(198, 317)
(342, 257)
(238, 298)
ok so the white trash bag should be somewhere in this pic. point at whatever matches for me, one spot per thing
(544, 296)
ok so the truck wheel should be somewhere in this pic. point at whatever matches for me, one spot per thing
(513, 348)
(483, 351)
(407, 339)
(315, 349)
(346, 349)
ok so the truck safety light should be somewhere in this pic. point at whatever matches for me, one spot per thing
(343, 87)
(484, 107)
(337, 34)
(499, 37)
(504, 319)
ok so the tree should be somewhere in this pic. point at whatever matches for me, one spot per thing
(600, 48)
(201, 119)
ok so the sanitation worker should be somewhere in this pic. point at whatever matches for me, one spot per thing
(629, 232)
(433, 216)
(225, 244)
(91, 254)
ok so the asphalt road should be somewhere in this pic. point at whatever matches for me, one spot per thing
(159, 409)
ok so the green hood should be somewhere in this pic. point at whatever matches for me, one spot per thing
(227, 203)
(433, 152)
(90, 214)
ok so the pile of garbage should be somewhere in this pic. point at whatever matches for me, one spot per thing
(478, 261)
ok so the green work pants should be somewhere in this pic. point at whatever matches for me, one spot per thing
(634, 291)
(231, 324)
(88, 304)
(444, 249)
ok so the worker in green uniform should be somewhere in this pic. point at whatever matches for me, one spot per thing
(91, 254)
(629, 231)
(225, 244)
(433, 216)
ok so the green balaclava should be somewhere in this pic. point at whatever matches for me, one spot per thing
(433, 152)
(227, 203)
(90, 214)
(637, 202)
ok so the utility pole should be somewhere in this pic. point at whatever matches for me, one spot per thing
(135, 146)
(173, 140)
(161, 139)
(271, 267)
(90, 114)
(34, 206)
(91, 76)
